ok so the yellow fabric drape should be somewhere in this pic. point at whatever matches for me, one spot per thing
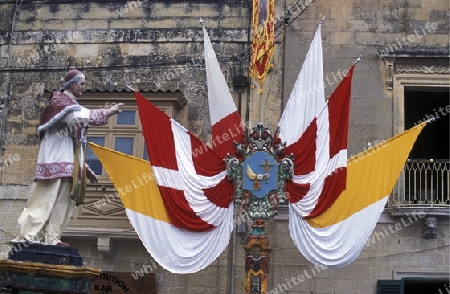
(134, 181)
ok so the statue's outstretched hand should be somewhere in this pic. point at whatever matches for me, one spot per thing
(115, 109)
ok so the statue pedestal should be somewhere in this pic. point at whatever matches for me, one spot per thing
(39, 269)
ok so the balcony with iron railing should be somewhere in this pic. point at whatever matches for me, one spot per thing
(423, 190)
(423, 182)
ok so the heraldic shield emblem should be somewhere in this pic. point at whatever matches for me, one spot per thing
(260, 171)
(260, 174)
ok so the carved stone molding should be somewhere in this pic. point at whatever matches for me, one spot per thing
(421, 69)
(414, 61)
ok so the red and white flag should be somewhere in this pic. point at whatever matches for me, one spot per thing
(225, 120)
(316, 133)
(307, 97)
(195, 192)
(320, 155)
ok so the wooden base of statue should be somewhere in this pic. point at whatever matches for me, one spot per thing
(39, 269)
(257, 256)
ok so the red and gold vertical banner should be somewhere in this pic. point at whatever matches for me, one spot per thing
(263, 39)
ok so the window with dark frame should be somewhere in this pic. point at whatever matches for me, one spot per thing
(427, 169)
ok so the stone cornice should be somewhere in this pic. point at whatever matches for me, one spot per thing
(406, 51)
(103, 232)
(421, 69)
(133, 35)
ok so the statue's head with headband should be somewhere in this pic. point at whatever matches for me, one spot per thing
(72, 76)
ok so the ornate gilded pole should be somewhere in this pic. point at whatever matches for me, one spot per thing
(257, 257)
(259, 172)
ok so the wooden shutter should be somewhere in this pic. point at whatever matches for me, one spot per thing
(390, 287)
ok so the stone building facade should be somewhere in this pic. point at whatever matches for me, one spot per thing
(157, 46)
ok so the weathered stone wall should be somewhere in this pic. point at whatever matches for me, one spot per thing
(396, 245)
(150, 45)
(159, 45)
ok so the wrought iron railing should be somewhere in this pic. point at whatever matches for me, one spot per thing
(423, 182)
